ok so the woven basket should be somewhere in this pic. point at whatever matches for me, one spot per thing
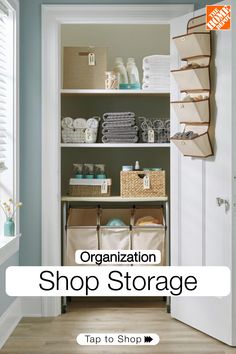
(88, 191)
(70, 135)
(132, 184)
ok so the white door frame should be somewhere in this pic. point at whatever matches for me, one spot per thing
(53, 16)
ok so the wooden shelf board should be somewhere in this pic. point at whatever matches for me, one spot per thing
(101, 145)
(112, 92)
(112, 199)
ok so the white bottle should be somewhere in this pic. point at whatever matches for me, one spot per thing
(120, 68)
(132, 71)
(136, 166)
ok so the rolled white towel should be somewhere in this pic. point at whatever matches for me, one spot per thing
(80, 123)
(93, 122)
(67, 122)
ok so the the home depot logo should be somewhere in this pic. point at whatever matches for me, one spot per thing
(218, 17)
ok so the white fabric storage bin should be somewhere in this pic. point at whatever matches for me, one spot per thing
(115, 238)
(112, 238)
(81, 232)
(149, 237)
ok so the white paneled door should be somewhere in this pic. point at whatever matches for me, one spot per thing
(202, 232)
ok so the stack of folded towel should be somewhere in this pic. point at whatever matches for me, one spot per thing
(156, 72)
(119, 127)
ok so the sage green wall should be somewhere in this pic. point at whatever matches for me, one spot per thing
(124, 41)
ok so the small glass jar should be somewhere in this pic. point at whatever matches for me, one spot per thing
(111, 80)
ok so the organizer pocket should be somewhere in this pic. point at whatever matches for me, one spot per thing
(199, 146)
(112, 238)
(197, 24)
(194, 47)
(192, 111)
(190, 79)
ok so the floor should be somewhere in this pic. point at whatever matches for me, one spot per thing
(57, 335)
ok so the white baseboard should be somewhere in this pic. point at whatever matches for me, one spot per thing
(31, 306)
(9, 320)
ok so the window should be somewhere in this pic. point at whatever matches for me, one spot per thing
(9, 111)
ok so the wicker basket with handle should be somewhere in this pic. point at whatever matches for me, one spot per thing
(132, 184)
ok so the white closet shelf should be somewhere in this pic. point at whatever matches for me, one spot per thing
(127, 145)
(112, 199)
(112, 92)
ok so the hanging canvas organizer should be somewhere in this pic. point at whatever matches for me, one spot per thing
(194, 82)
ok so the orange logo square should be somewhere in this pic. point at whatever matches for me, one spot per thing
(218, 17)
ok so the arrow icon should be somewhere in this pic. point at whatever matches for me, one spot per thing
(148, 339)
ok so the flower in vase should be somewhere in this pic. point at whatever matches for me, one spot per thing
(9, 208)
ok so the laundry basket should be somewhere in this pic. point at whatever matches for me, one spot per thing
(115, 237)
(149, 237)
(81, 232)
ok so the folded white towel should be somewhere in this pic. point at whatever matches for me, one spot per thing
(156, 78)
(156, 82)
(156, 59)
(156, 87)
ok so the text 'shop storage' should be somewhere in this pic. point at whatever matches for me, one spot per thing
(81, 232)
(148, 232)
(115, 229)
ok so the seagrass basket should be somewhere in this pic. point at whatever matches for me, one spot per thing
(89, 188)
(135, 184)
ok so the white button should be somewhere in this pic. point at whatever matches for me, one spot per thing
(118, 339)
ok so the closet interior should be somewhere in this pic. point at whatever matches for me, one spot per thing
(153, 155)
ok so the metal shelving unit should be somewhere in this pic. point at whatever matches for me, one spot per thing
(67, 201)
